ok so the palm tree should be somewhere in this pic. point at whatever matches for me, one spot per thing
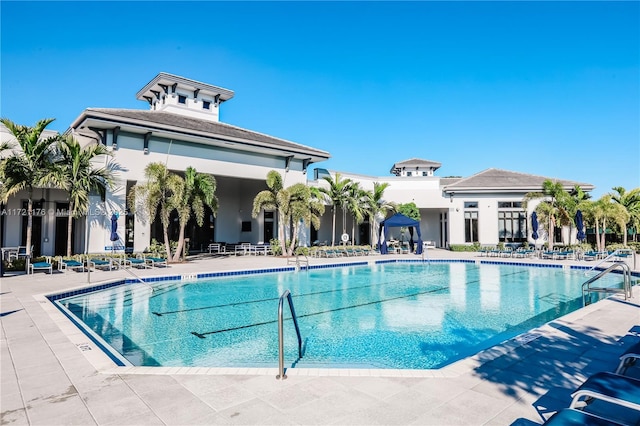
(631, 202)
(603, 211)
(338, 194)
(198, 190)
(377, 206)
(272, 198)
(25, 168)
(356, 204)
(158, 196)
(554, 209)
(73, 170)
(303, 206)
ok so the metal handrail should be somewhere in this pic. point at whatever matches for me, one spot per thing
(287, 294)
(139, 279)
(626, 272)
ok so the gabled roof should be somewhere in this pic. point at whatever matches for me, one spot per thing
(414, 162)
(167, 124)
(492, 180)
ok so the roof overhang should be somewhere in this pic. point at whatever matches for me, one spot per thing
(168, 84)
(99, 120)
(508, 190)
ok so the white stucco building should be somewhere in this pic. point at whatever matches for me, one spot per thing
(181, 128)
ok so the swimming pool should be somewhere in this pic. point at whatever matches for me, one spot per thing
(390, 315)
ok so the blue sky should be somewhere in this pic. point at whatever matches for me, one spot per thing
(547, 88)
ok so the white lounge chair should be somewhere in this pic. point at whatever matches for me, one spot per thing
(156, 261)
(609, 387)
(41, 266)
(628, 358)
(65, 265)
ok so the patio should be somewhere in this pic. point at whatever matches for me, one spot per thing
(53, 374)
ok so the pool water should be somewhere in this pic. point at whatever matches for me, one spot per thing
(396, 315)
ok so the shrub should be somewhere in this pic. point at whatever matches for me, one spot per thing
(275, 247)
(15, 265)
(302, 251)
(464, 247)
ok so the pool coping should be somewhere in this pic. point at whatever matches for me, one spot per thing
(103, 359)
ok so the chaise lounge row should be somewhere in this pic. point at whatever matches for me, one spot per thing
(612, 388)
(80, 264)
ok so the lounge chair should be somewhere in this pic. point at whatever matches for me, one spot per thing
(594, 255)
(564, 255)
(65, 265)
(484, 251)
(570, 417)
(216, 248)
(628, 358)
(156, 261)
(623, 254)
(138, 262)
(100, 263)
(41, 266)
(609, 387)
(522, 253)
(506, 252)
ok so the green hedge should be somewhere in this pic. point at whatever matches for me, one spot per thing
(464, 247)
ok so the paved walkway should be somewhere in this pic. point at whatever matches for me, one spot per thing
(52, 374)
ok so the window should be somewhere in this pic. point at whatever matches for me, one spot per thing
(470, 204)
(512, 222)
(246, 226)
(471, 226)
(182, 99)
(509, 204)
(206, 105)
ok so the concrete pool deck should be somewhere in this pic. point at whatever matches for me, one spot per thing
(51, 373)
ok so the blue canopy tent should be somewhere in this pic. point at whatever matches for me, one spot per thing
(396, 220)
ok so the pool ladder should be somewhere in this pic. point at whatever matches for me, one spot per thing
(287, 294)
(626, 284)
(297, 261)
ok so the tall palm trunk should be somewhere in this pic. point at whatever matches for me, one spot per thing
(178, 254)
(292, 245)
(167, 246)
(69, 228)
(333, 229)
(29, 223)
(281, 233)
(603, 237)
(353, 233)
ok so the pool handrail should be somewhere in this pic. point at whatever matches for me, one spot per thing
(287, 294)
(626, 286)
